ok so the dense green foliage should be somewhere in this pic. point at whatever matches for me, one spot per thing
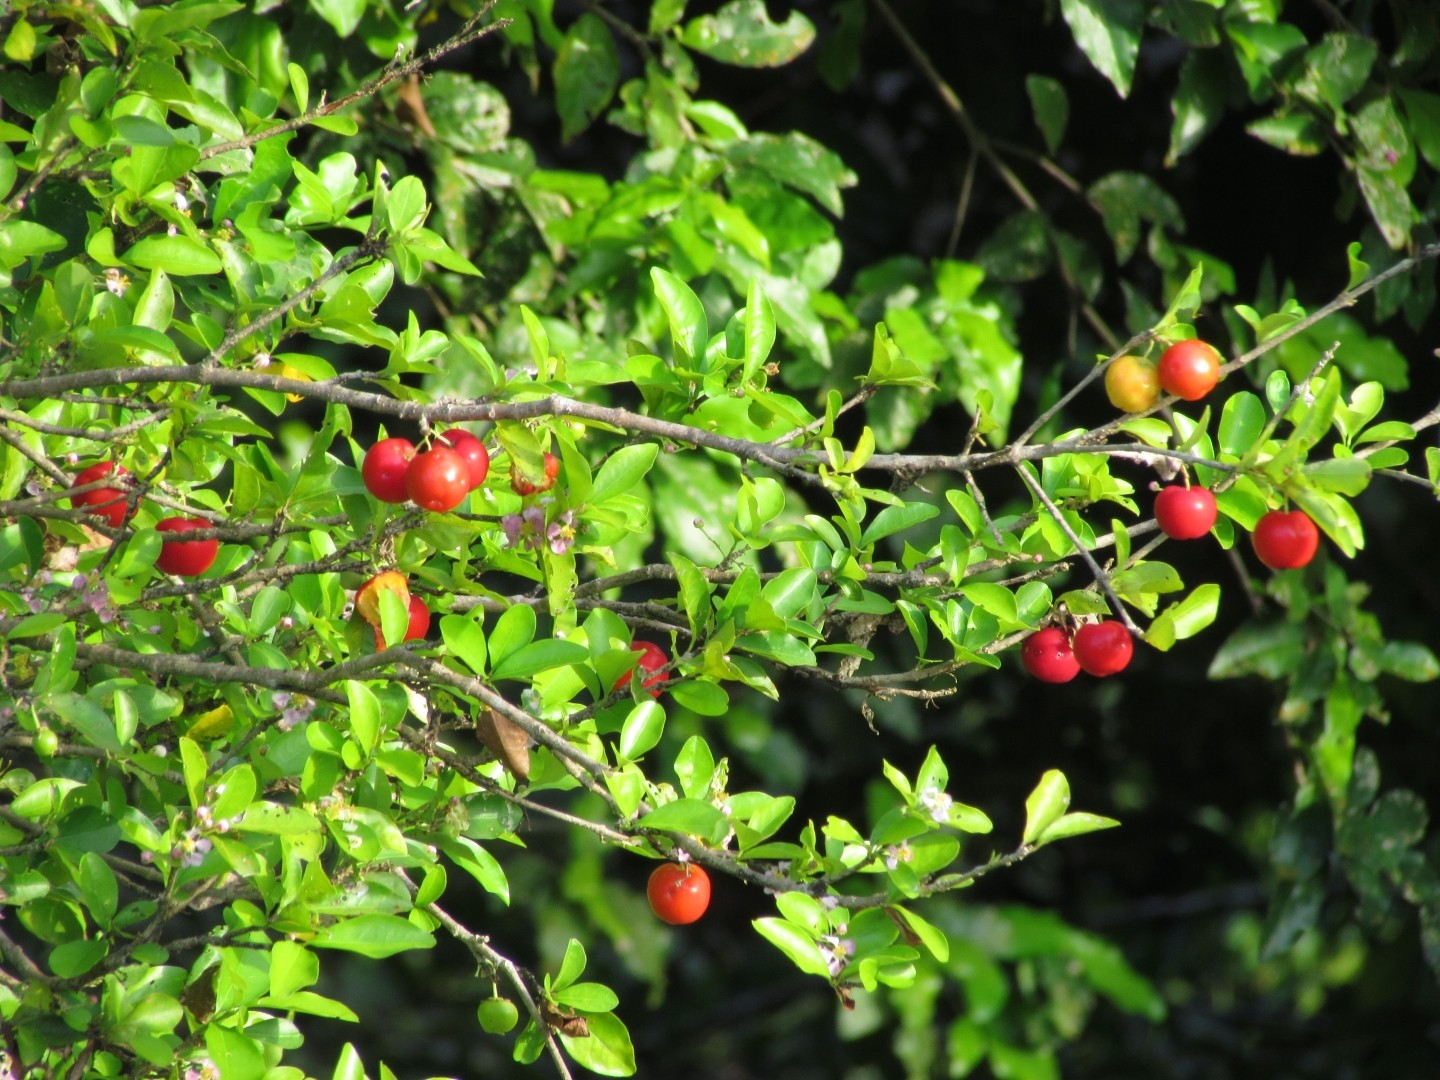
(238, 245)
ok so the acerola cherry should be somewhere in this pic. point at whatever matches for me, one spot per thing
(187, 558)
(477, 458)
(497, 1015)
(1285, 541)
(384, 469)
(1103, 648)
(522, 486)
(651, 659)
(1047, 655)
(1132, 384)
(438, 479)
(367, 598)
(1189, 369)
(415, 630)
(419, 619)
(1185, 513)
(107, 503)
(679, 893)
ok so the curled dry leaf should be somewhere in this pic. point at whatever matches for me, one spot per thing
(563, 1020)
(505, 739)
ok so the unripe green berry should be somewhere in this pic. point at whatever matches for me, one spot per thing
(498, 1015)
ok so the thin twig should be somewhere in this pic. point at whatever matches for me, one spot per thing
(1101, 578)
(471, 31)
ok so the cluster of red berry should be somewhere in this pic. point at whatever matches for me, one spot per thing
(439, 478)
(1283, 540)
(185, 558)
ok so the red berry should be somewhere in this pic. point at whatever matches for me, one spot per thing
(419, 619)
(679, 893)
(1189, 369)
(107, 503)
(522, 486)
(477, 458)
(1185, 513)
(1047, 655)
(384, 469)
(187, 558)
(438, 479)
(1103, 648)
(651, 659)
(415, 630)
(1285, 541)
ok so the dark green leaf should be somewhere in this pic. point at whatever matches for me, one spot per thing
(741, 33)
(587, 70)
(1051, 108)
(1108, 32)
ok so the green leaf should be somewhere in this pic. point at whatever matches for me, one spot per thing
(798, 162)
(1341, 475)
(759, 329)
(1241, 421)
(1051, 108)
(931, 936)
(1409, 660)
(1046, 804)
(364, 711)
(694, 592)
(572, 965)
(587, 997)
(1125, 200)
(538, 656)
(896, 519)
(689, 329)
(799, 946)
(464, 637)
(642, 729)
(1272, 650)
(293, 967)
(513, 630)
(1019, 250)
(92, 722)
(44, 797)
(236, 1055)
(693, 817)
(478, 863)
(99, 887)
(741, 33)
(74, 958)
(311, 1004)
(701, 697)
(375, 936)
(1185, 618)
(1076, 824)
(264, 817)
(1108, 32)
(695, 766)
(622, 471)
(178, 256)
(1359, 269)
(606, 1050)
(1199, 102)
(587, 70)
(21, 239)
